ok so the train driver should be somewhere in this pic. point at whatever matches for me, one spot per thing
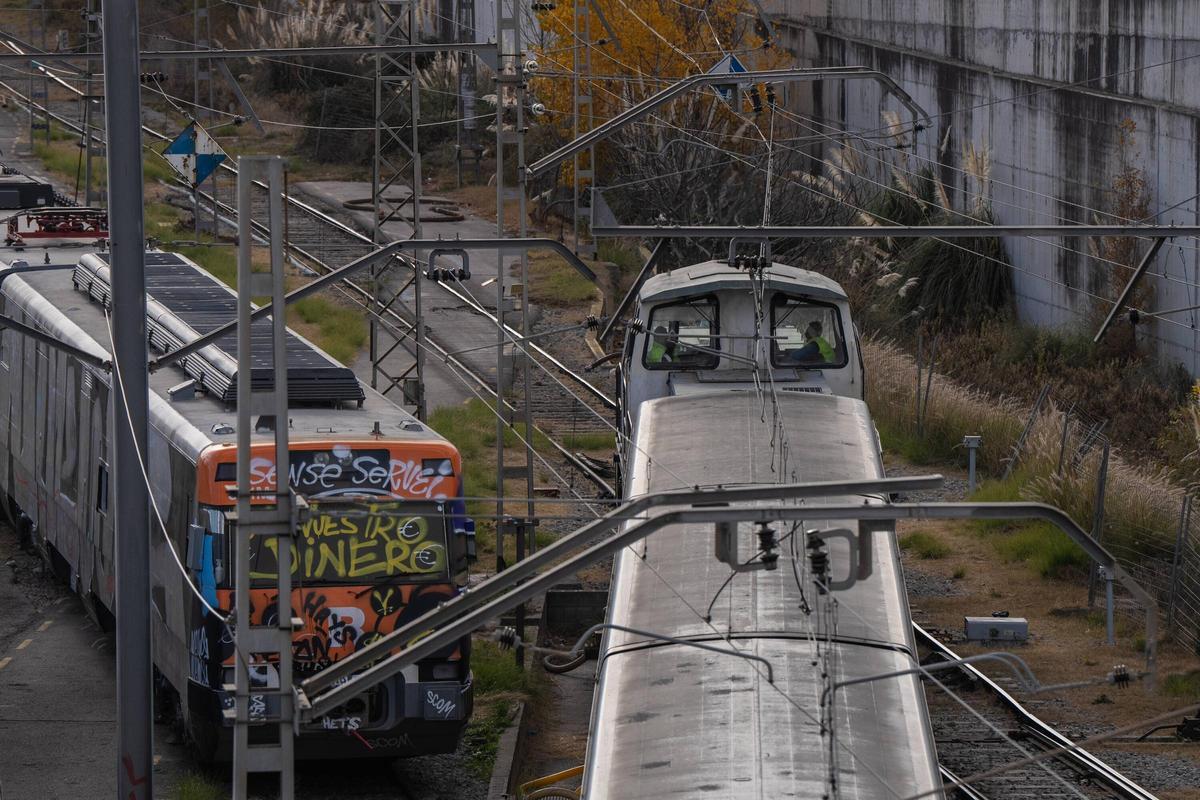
(662, 347)
(815, 348)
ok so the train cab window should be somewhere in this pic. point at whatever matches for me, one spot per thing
(806, 334)
(682, 336)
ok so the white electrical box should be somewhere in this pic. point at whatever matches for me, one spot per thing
(996, 629)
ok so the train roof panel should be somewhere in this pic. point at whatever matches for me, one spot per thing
(204, 412)
(715, 276)
(193, 297)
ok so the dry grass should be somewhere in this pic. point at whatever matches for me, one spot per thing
(1141, 506)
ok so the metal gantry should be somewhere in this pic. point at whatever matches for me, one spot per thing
(265, 697)
(397, 166)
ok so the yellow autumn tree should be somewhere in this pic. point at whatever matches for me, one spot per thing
(657, 42)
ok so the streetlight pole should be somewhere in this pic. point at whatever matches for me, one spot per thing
(122, 106)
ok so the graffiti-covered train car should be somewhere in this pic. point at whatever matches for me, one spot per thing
(385, 540)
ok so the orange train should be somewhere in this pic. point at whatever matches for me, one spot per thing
(386, 539)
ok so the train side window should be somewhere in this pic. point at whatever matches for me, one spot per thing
(102, 487)
(806, 334)
(681, 335)
(68, 433)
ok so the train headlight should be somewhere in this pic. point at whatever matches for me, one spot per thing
(437, 466)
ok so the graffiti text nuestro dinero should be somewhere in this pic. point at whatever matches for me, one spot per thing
(342, 546)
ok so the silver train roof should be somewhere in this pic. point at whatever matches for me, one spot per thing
(194, 421)
(715, 276)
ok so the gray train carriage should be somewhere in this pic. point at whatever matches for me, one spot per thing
(351, 449)
(674, 721)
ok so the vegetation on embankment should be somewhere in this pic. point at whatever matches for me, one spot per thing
(1141, 507)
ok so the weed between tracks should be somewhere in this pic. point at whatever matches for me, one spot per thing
(198, 787)
(924, 545)
(499, 686)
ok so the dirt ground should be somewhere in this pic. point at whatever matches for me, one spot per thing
(1067, 641)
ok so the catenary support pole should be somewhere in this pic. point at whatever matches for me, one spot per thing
(123, 113)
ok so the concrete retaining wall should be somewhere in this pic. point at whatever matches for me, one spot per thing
(1045, 85)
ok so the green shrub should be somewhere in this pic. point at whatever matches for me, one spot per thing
(1183, 685)
(496, 670)
(924, 545)
(198, 787)
(1046, 549)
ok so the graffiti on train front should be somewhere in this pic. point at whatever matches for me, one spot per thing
(338, 621)
(343, 472)
(361, 544)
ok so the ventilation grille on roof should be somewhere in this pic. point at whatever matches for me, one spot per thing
(184, 302)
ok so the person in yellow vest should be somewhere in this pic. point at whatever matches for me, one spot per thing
(813, 334)
(816, 349)
(662, 347)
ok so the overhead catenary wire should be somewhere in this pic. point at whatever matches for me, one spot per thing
(748, 162)
(981, 195)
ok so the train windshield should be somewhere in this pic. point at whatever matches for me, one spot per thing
(683, 335)
(362, 543)
(806, 334)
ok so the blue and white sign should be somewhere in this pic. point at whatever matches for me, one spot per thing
(194, 154)
(729, 65)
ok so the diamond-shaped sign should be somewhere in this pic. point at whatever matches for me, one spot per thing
(194, 154)
(729, 65)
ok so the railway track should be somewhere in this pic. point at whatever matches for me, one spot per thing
(966, 746)
(562, 401)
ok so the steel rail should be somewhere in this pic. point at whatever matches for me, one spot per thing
(1077, 758)
(347, 286)
(968, 792)
(763, 232)
(325, 219)
(481, 382)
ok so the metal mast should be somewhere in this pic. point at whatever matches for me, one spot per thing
(397, 162)
(123, 110)
(510, 90)
(269, 700)
(202, 95)
(583, 174)
(468, 142)
(90, 17)
(39, 86)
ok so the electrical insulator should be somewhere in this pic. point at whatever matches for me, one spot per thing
(538, 109)
(147, 77)
(506, 636)
(532, 66)
(1119, 676)
(755, 100)
(543, 6)
(770, 95)
(767, 544)
(818, 561)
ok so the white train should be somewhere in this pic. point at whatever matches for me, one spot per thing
(700, 409)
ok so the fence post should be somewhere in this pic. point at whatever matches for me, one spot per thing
(1062, 447)
(920, 355)
(1185, 519)
(1020, 445)
(1098, 519)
